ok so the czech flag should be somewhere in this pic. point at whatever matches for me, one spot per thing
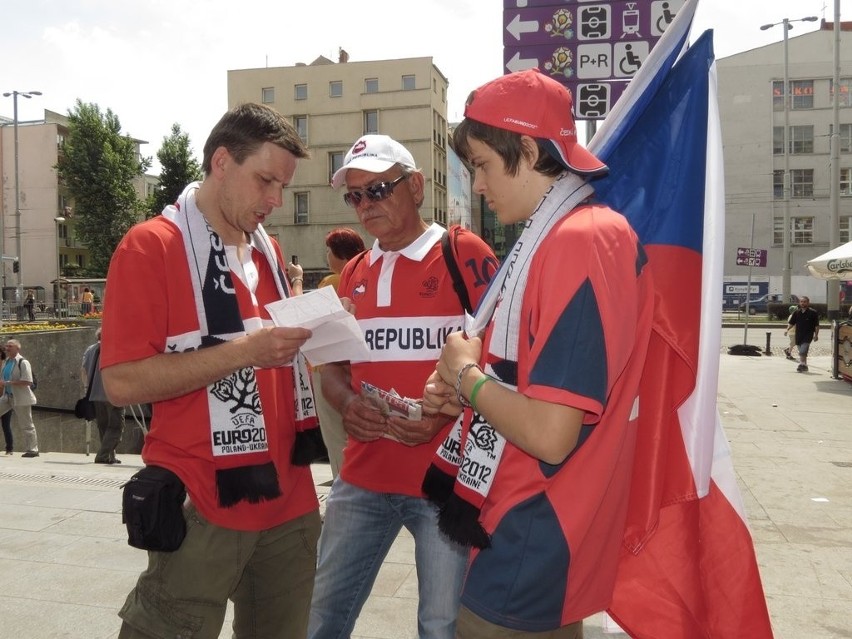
(688, 567)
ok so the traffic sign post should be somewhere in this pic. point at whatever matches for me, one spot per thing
(592, 48)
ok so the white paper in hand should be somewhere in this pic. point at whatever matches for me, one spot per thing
(336, 334)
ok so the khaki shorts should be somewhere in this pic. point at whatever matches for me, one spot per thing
(269, 575)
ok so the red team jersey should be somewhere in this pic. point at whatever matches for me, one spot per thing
(556, 529)
(148, 304)
(406, 307)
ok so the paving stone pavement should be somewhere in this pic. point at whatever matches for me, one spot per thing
(66, 566)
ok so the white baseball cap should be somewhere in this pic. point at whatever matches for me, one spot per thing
(374, 154)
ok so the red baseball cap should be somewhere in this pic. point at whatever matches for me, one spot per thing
(531, 103)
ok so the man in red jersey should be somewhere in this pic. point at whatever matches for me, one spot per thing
(406, 305)
(185, 328)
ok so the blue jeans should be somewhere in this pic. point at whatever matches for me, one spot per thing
(358, 530)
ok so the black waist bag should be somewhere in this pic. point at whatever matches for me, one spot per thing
(152, 510)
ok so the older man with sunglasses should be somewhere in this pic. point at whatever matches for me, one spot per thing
(406, 305)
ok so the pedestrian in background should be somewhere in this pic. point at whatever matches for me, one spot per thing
(29, 304)
(18, 395)
(791, 334)
(341, 245)
(6, 419)
(87, 300)
(805, 323)
(109, 418)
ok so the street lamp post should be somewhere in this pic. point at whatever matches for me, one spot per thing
(57, 302)
(19, 287)
(786, 268)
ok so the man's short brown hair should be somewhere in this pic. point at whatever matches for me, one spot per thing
(245, 128)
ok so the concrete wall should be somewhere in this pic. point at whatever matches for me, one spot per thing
(55, 356)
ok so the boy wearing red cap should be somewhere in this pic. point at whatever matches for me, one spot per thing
(534, 476)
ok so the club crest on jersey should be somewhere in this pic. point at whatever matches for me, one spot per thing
(430, 287)
(359, 289)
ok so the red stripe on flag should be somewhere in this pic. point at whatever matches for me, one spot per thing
(695, 578)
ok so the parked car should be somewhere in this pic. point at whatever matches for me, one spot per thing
(761, 304)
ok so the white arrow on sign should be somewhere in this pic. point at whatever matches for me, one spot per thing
(517, 26)
(517, 63)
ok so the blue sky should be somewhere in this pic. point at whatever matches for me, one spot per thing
(164, 61)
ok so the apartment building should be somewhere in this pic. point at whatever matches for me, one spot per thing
(50, 251)
(331, 104)
(751, 102)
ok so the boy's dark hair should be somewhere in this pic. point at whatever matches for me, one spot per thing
(506, 144)
(246, 127)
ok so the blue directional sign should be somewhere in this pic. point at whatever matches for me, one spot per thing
(592, 47)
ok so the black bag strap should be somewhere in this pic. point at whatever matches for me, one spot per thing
(453, 267)
(21, 370)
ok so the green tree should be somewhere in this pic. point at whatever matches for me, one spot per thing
(99, 166)
(179, 168)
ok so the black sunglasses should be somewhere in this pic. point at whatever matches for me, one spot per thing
(374, 192)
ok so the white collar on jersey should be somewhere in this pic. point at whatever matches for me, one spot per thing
(417, 250)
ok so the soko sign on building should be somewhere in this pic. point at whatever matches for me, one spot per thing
(592, 47)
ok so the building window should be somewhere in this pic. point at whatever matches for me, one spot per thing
(778, 140)
(434, 86)
(802, 183)
(846, 138)
(267, 95)
(802, 94)
(371, 122)
(335, 88)
(300, 208)
(802, 139)
(408, 83)
(300, 123)
(301, 92)
(845, 182)
(803, 230)
(80, 261)
(778, 95)
(62, 231)
(778, 185)
(845, 228)
(845, 95)
(371, 85)
(335, 161)
(801, 91)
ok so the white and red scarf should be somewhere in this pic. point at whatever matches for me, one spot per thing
(466, 464)
(238, 432)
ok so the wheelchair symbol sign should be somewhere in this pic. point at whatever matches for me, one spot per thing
(662, 14)
(628, 57)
